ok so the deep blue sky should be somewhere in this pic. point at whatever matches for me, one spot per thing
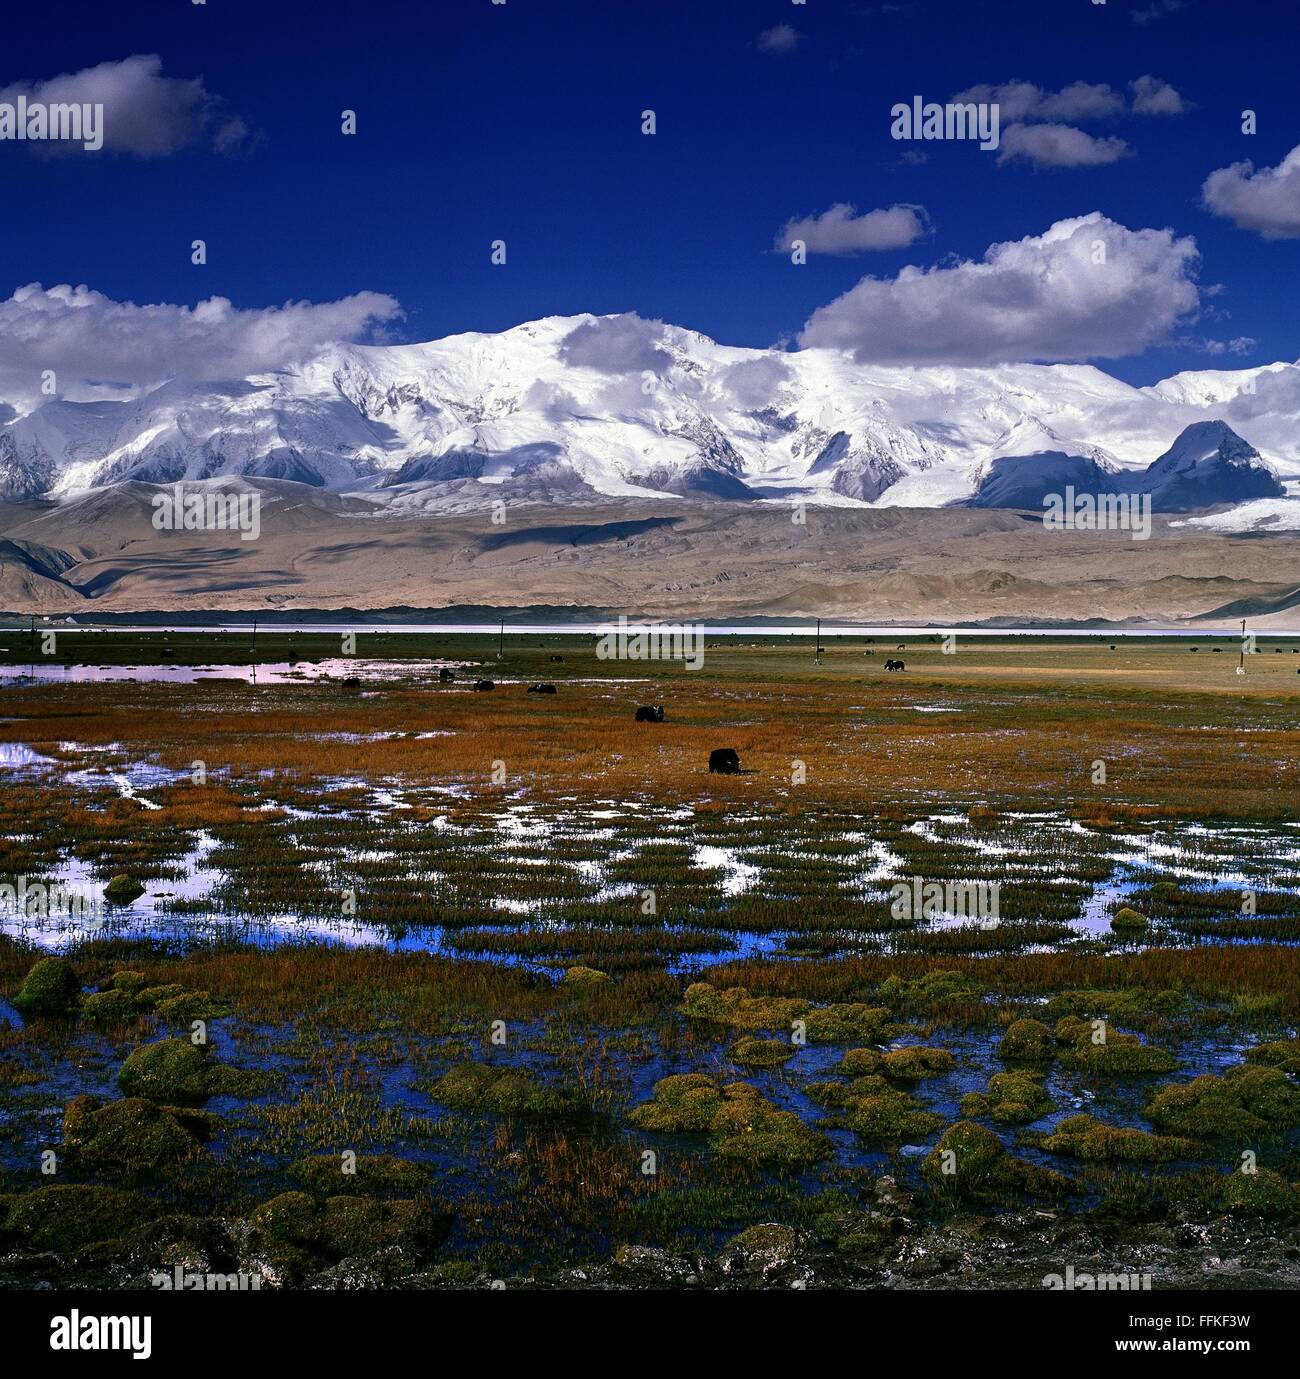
(521, 122)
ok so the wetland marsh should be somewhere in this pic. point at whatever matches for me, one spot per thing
(510, 986)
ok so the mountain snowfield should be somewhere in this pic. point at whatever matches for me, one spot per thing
(641, 409)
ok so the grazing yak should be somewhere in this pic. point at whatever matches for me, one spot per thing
(895, 665)
(351, 682)
(541, 689)
(724, 761)
(481, 685)
(557, 658)
(445, 675)
(650, 713)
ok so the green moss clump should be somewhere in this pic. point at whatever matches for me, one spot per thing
(1262, 1193)
(749, 1128)
(1129, 921)
(736, 1007)
(850, 1024)
(188, 1006)
(890, 1117)
(500, 1089)
(1085, 1137)
(1118, 1055)
(841, 1094)
(860, 1062)
(740, 1122)
(50, 991)
(1282, 1053)
(1014, 1098)
(323, 1174)
(971, 1164)
(831, 1024)
(66, 1218)
(343, 1226)
(1135, 1001)
(585, 976)
(180, 1071)
(131, 982)
(1027, 1041)
(150, 996)
(132, 1136)
(123, 889)
(683, 1103)
(878, 1113)
(169, 1070)
(1247, 1103)
(915, 1062)
(760, 1053)
(110, 1008)
(942, 991)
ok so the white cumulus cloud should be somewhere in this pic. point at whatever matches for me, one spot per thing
(1059, 146)
(781, 38)
(616, 345)
(90, 340)
(1266, 200)
(1022, 100)
(1087, 288)
(1151, 96)
(145, 113)
(841, 230)
(756, 382)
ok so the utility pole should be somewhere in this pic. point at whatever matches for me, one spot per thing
(254, 646)
(501, 643)
(1241, 659)
(817, 645)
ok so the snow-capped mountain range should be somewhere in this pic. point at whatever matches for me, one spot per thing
(572, 408)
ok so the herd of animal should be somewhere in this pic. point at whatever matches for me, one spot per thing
(723, 761)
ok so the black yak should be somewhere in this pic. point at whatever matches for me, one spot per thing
(541, 689)
(444, 675)
(650, 713)
(481, 685)
(557, 658)
(724, 761)
(895, 665)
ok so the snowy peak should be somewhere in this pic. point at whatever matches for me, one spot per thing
(585, 407)
(1205, 444)
(1208, 465)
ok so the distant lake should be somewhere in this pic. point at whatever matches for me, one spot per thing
(577, 629)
